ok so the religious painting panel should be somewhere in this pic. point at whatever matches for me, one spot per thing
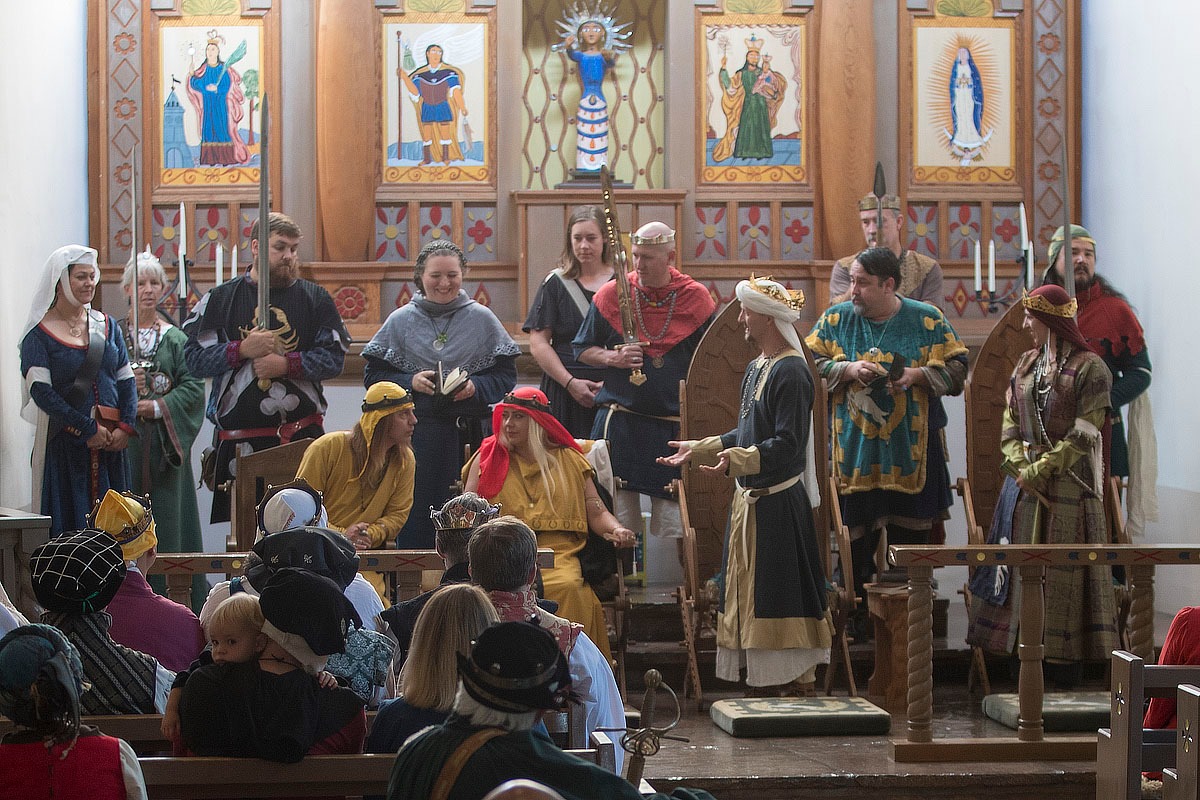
(752, 98)
(207, 91)
(438, 99)
(964, 100)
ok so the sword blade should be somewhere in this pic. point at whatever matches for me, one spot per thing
(264, 219)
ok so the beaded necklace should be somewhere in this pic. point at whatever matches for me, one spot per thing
(750, 389)
(668, 301)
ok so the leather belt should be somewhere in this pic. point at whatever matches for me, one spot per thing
(285, 432)
(754, 494)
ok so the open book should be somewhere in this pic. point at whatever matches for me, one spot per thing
(448, 383)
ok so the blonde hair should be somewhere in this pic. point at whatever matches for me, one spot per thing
(447, 626)
(551, 470)
(239, 610)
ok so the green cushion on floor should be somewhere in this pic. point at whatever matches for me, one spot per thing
(807, 716)
(1061, 711)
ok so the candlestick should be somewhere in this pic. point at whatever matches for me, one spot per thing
(220, 265)
(182, 258)
(991, 266)
(978, 275)
(1024, 230)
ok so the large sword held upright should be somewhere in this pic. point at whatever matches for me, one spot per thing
(616, 246)
(263, 319)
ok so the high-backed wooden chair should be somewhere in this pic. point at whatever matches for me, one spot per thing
(255, 472)
(709, 401)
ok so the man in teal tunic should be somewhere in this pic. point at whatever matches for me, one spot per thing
(886, 358)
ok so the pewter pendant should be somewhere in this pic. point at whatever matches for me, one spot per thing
(657, 361)
(874, 352)
(439, 343)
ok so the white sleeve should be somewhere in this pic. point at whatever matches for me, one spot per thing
(592, 679)
(163, 678)
(131, 771)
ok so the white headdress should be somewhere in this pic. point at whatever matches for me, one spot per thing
(766, 296)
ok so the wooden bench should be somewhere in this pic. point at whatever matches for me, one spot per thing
(348, 775)
(1183, 781)
(406, 565)
(1125, 749)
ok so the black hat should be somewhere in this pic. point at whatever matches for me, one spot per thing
(516, 667)
(308, 605)
(78, 572)
(318, 550)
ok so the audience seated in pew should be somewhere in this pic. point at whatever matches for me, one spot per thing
(454, 616)
(288, 507)
(41, 680)
(74, 577)
(515, 673)
(141, 619)
(235, 637)
(273, 707)
(503, 556)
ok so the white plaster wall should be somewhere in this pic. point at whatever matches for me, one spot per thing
(43, 205)
(1140, 172)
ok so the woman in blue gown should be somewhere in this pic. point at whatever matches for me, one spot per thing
(79, 392)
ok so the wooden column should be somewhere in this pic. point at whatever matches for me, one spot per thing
(347, 155)
(1141, 611)
(920, 654)
(845, 153)
(1030, 686)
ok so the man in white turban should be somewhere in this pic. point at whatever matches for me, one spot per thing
(773, 620)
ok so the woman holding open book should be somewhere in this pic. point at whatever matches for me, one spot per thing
(1052, 444)
(456, 359)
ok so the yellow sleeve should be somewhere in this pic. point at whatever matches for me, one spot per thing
(1010, 444)
(1066, 452)
(399, 505)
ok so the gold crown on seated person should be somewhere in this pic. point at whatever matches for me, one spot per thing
(662, 238)
(1036, 302)
(792, 298)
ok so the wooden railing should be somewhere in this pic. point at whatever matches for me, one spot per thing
(406, 565)
(1030, 562)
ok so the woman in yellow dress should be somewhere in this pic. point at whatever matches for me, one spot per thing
(366, 474)
(534, 469)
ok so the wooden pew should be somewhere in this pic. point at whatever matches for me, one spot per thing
(406, 565)
(1125, 750)
(1183, 781)
(351, 775)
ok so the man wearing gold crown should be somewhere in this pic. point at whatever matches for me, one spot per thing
(672, 312)
(886, 360)
(920, 276)
(773, 618)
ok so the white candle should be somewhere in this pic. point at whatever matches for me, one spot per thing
(220, 265)
(233, 265)
(991, 266)
(1024, 230)
(182, 256)
(978, 276)
(1029, 265)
